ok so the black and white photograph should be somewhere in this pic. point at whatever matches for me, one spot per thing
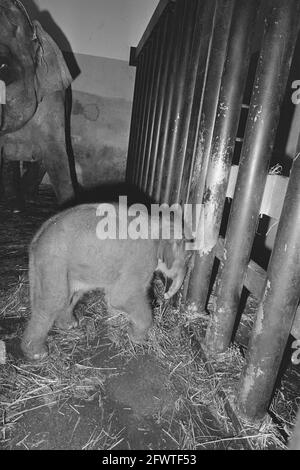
(149, 228)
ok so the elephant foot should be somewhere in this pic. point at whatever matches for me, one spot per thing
(34, 352)
(137, 336)
(67, 324)
(15, 206)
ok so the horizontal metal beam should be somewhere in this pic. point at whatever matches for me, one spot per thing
(274, 192)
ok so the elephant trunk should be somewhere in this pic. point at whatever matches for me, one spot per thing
(176, 273)
(176, 284)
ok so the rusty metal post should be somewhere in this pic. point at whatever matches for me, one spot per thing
(207, 115)
(185, 12)
(195, 54)
(271, 77)
(277, 309)
(279, 40)
(165, 93)
(224, 136)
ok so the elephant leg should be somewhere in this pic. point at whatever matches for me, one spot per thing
(56, 163)
(66, 319)
(56, 160)
(31, 179)
(33, 342)
(10, 184)
(135, 303)
(140, 314)
(50, 299)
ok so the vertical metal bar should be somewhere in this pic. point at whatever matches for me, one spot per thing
(180, 11)
(271, 77)
(207, 118)
(190, 96)
(162, 46)
(210, 100)
(141, 78)
(224, 136)
(152, 52)
(182, 100)
(277, 309)
(134, 123)
(206, 42)
(168, 48)
(143, 111)
(144, 157)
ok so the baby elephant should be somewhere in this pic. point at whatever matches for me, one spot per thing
(68, 258)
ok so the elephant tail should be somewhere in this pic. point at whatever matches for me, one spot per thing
(34, 279)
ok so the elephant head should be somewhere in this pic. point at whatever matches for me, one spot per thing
(31, 66)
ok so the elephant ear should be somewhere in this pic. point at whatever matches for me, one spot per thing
(52, 73)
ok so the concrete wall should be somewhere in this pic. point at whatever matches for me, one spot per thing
(103, 28)
(102, 102)
(96, 36)
(100, 130)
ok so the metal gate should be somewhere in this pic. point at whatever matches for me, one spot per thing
(192, 68)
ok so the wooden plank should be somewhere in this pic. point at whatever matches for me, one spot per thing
(273, 196)
(232, 181)
(153, 22)
(255, 282)
(255, 279)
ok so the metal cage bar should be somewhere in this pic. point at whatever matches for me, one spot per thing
(181, 160)
(223, 141)
(277, 309)
(142, 108)
(202, 145)
(182, 100)
(134, 119)
(144, 124)
(154, 103)
(170, 31)
(271, 77)
(182, 9)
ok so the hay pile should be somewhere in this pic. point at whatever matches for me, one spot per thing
(69, 374)
(74, 372)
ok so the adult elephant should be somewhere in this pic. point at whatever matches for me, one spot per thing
(32, 120)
